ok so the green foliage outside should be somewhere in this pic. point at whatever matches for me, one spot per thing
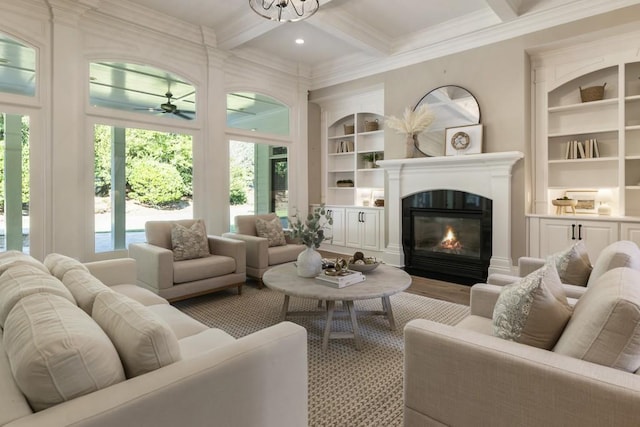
(25, 160)
(238, 188)
(158, 165)
(154, 183)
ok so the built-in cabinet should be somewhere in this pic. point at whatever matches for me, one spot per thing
(352, 140)
(556, 234)
(612, 174)
(355, 228)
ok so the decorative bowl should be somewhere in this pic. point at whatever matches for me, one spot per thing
(564, 202)
(363, 268)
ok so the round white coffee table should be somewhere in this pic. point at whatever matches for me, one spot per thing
(382, 282)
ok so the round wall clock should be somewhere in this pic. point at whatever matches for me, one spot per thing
(460, 140)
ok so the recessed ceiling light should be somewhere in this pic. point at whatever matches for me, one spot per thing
(299, 41)
(254, 129)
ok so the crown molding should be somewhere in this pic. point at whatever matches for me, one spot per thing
(348, 69)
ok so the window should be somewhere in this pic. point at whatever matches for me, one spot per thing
(259, 180)
(141, 89)
(14, 188)
(140, 175)
(257, 113)
(17, 67)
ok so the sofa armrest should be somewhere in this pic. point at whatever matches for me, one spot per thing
(258, 380)
(232, 248)
(121, 271)
(527, 265)
(257, 249)
(483, 299)
(501, 279)
(460, 377)
(155, 265)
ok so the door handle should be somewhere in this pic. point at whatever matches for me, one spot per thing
(573, 232)
(579, 231)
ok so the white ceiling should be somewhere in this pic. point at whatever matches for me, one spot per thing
(353, 38)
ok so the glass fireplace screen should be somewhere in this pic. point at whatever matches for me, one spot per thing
(447, 235)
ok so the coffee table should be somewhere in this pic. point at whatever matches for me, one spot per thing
(382, 282)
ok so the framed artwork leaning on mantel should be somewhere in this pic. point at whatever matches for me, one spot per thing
(463, 140)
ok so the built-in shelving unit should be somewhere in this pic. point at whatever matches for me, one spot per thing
(350, 178)
(613, 176)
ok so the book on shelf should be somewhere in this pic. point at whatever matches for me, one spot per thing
(342, 281)
(581, 152)
(596, 151)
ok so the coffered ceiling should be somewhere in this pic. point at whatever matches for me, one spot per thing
(347, 39)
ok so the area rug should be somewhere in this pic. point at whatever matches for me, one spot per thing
(347, 387)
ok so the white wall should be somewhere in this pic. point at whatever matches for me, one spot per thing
(68, 35)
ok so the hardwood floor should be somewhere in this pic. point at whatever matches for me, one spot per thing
(452, 292)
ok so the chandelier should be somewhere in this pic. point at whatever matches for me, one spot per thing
(285, 10)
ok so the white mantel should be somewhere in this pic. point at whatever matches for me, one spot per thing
(487, 175)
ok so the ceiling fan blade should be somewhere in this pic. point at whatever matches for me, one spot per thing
(180, 114)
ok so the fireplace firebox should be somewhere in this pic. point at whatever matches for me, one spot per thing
(446, 235)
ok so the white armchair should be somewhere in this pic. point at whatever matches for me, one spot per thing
(222, 268)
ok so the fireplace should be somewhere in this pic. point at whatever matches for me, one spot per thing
(446, 235)
(486, 174)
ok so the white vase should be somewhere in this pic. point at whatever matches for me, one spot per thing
(309, 263)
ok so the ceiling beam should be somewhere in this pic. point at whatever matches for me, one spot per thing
(504, 9)
(352, 31)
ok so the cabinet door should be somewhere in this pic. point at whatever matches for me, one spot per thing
(353, 230)
(597, 235)
(630, 231)
(337, 229)
(555, 235)
(370, 230)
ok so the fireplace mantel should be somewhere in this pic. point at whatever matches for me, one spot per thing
(487, 174)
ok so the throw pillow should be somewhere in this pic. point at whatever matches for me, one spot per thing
(534, 310)
(143, 340)
(59, 264)
(189, 243)
(605, 326)
(573, 264)
(9, 259)
(23, 280)
(271, 229)
(56, 352)
(84, 287)
(622, 253)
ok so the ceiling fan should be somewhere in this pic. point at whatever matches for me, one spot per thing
(168, 107)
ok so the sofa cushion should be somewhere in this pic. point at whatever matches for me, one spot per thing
(9, 259)
(573, 264)
(281, 254)
(189, 242)
(84, 287)
(271, 229)
(143, 340)
(210, 338)
(605, 326)
(140, 294)
(57, 352)
(534, 310)
(59, 264)
(180, 324)
(13, 404)
(23, 280)
(622, 253)
(202, 268)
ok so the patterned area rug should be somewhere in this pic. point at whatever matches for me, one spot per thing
(347, 387)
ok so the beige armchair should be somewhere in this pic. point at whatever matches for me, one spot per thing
(260, 256)
(220, 266)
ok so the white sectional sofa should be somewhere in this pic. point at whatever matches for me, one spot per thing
(140, 360)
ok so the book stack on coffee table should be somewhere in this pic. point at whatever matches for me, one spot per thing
(343, 279)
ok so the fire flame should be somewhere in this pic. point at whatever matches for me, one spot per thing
(450, 240)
